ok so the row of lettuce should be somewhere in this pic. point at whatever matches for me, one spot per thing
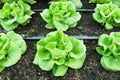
(57, 51)
(61, 14)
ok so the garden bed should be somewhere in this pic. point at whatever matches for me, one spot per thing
(91, 70)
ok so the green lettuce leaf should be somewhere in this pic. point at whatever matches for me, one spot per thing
(116, 2)
(1, 68)
(111, 63)
(14, 54)
(17, 39)
(59, 70)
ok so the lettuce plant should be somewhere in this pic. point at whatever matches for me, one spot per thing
(108, 15)
(61, 15)
(57, 52)
(109, 48)
(10, 1)
(11, 15)
(12, 46)
(99, 1)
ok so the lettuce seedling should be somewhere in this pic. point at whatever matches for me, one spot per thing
(57, 52)
(10, 1)
(109, 48)
(99, 1)
(13, 14)
(61, 15)
(12, 46)
(108, 15)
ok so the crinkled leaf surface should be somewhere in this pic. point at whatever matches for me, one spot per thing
(46, 65)
(4, 42)
(14, 54)
(116, 37)
(43, 53)
(75, 63)
(17, 39)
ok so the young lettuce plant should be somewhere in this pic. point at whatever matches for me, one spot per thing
(61, 15)
(109, 48)
(57, 52)
(12, 46)
(108, 15)
(13, 14)
(10, 1)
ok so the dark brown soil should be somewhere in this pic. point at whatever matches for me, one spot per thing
(91, 70)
